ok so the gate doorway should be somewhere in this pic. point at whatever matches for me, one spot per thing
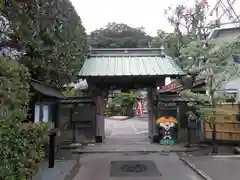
(126, 119)
(131, 68)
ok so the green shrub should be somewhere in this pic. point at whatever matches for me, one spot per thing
(71, 92)
(125, 100)
(20, 147)
(113, 110)
(120, 104)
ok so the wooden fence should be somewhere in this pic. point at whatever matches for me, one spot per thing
(229, 128)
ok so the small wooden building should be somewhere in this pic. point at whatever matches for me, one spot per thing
(71, 119)
(172, 104)
(44, 102)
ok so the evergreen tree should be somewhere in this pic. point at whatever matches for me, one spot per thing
(213, 62)
(48, 35)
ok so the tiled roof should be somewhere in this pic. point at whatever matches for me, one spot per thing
(130, 63)
(46, 90)
(176, 86)
(170, 98)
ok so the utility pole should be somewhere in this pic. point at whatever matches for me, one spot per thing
(225, 12)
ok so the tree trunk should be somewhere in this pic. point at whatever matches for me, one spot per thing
(214, 143)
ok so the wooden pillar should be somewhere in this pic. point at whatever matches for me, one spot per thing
(151, 113)
(52, 136)
(155, 110)
(71, 111)
(99, 97)
(40, 111)
(179, 122)
(149, 106)
(56, 114)
(51, 154)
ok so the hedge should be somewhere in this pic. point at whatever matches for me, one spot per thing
(20, 146)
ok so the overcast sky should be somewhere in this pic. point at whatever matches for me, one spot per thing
(136, 13)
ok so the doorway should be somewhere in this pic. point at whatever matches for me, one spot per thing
(126, 118)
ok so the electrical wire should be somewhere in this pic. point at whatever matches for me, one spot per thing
(233, 10)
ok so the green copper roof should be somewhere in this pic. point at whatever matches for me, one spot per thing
(133, 63)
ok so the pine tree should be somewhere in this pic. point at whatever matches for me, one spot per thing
(213, 62)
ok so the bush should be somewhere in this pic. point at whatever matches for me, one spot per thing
(71, 92)
(112, 110)
(20, 149)
(121, 104)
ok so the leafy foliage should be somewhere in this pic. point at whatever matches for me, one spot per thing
(172, 43)
(213, 62)
(187, 20)
(188, 24)
(50, 37)
(120, 103)
(119, 36)
(125, 99)
(72, 92)
(20, 147)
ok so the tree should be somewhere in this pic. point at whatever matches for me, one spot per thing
(48, 40)
(171, 43)
(189, 20)
(49, 36)
(188, 23)
(213, 62)
(119, 36)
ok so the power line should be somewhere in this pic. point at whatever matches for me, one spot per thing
(228, 10)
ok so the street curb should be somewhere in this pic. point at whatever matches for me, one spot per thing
(225, 156)
(73, 172)
(142, 151)
(120, 118)
(195, 169)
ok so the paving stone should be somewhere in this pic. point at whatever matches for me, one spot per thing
(161, 167)
(59, 172)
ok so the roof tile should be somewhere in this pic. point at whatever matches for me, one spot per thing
(130, 66)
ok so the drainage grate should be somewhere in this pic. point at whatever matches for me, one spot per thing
(133, 169)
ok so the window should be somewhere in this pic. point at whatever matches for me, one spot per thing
(232, 98)
(47, 116)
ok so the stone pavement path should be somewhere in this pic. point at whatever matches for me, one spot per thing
(217, 168)
(128, 136)
(59, 172)
(129, 142)
(131, 131)
(127, 149)
(121, 166)
(133, 126)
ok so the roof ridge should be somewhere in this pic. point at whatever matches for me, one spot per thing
(43, 83)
